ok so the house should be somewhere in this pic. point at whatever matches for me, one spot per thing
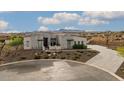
(51, 40)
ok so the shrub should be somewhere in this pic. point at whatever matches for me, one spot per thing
(36, 56)
(84, 47)
(46, 57)
(1, 59)
(53, 57)
(62, 57)
(67, 54)
(81, 51)
(77, 57)
(74, 58)
(121, 50)
(16, 41)
(79, 46)
(22, 58)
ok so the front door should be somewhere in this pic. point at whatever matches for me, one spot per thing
(39, 44)
(45, 42)
(69, 44)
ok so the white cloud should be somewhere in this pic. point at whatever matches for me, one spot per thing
(91, 21)
(90, 30)
(88, 18)
(9, 31)
(66, 16)
(43, 28)
(50, 21)
(47, 21)
(58, 18)
(71, 28)
(104, 14)
(12, 31)
(3, 24)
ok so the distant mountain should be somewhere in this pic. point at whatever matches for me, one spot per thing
(69, 30)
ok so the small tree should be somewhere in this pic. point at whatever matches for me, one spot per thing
(16, 41)
(107, 38)
(79, 46)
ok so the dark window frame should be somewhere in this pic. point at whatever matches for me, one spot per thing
(78, 42)
(53, 41)
(82, 42)
(27, 43)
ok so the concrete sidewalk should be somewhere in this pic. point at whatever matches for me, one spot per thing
(107, 58)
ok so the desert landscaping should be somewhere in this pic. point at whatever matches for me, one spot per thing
(14, 51)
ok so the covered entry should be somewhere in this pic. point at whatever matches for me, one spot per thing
(69, 44)
(40, 44)
(45, 42)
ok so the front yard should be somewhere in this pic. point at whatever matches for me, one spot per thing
(120, 71)
(82, 55)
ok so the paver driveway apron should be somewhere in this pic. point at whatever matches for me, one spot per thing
(107, 58)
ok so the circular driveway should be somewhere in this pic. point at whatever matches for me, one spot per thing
(53, 70)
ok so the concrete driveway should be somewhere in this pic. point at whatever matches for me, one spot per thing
(107, 58)
(53, 70)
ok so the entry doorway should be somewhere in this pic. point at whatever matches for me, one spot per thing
(45, 43)
(39, 44)
(69, 44)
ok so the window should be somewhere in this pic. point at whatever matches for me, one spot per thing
(27, 43)
(75, 42)
(78, 42)
(53, 41)
(40, 44)
(82, 42)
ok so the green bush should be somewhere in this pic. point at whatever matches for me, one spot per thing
(79, 46)
(120, 50)
(16, 41)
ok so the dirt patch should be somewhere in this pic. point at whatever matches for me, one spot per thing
(120, 71)
(78, 55)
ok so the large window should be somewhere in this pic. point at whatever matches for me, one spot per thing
(82, 42)
(27, 43)
(40, 44)
(53, 41)
(75, 42)
(78, 42)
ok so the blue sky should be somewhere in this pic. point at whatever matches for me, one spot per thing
(51, 20)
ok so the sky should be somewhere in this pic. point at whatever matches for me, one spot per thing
(55, 20)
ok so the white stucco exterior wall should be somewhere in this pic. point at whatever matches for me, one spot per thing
(80, 39)
(62, 40)
(27, 39)
(7, 41)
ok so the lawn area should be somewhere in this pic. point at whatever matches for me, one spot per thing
(120, 50)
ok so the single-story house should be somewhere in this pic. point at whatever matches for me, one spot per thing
(51, 40)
